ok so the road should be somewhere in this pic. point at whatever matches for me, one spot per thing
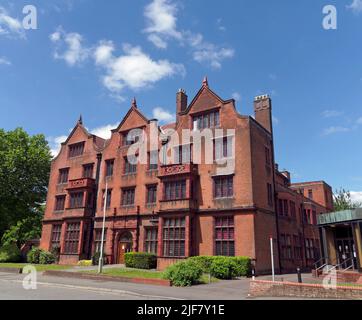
(55, 288)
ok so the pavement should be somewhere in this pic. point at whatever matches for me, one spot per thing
(56, 288)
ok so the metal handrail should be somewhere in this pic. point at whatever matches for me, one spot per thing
(320, 260)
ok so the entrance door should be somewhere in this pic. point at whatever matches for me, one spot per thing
(125, 245)
(345, 249)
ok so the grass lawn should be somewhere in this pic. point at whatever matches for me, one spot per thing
(39, 267)
(130, 273)
(145, 274)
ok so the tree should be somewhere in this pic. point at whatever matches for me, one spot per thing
(24, 230)
(343, 201)
(24, 174)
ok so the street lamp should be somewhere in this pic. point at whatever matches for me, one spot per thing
(100, 263)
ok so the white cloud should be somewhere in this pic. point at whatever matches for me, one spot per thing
(359, 120)
(55, 144)
(161, 22)
(335, 129)
(220, 25)
(5, 61)
(356, 196)
(356, 6)
(163, 115)
(275, 120)
(236, 96)
(104, 131)
(134, 69)
(74, 53)
(331, 113)
(273, 76)
(10, 26)
(212, 54)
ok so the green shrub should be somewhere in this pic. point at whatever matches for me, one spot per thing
(224, 268)
(46, 257)
(56, 252)
(140, 260)
(85, 263)
(183, 274)
(96, 256)
(33, 256)
(243, 268)
(204, 262)
(10, 253)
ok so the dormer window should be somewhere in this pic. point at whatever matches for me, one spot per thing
(76, 150)
(131, 137)
(207, 120)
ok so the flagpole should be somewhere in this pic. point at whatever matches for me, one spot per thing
(100, 264)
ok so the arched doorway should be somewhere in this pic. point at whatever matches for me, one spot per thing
(125, 245)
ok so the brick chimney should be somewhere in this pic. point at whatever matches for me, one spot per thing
(181, 102)
(263, 112)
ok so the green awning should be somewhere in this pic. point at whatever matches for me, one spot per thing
(340, 217)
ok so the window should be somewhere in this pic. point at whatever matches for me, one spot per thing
(76, 150)
(76, 200)
(151, 240)
(314, 217)
(109, 168)
(267, 156)
(63, 176)
(131, 137)
(270, 194)
(207, 120)
(183, 154)
(286, 247)
(128, 196)
(175, 190)
(72, 238)
(224, 236)
(280, 207)
(289, 250)
(151, 194)
(128, 167)
(286, 208)
(59, 203)
(223, 148)
(174, 237)
(309, 248)
(310, 194)
(88, 171)
(98, 240)
(109, 198)
(223, 187)
(293, 211)
(297, 247)
(56, 236)
(153, 160)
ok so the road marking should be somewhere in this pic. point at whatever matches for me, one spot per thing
(94, 289)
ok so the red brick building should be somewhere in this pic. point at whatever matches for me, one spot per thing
(187, 209)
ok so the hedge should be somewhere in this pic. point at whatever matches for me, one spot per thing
(183, 274)
(224, 267)
(10, 253)
(140, 260)
(39, 256)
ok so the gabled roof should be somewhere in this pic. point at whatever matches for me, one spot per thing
(133, 108)
(205, 87)
(79, 125)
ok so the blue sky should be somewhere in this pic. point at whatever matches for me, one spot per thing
(91, 58)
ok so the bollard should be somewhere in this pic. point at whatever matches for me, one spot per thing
(299, 275)
(253, 274)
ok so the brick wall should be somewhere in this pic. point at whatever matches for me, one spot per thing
(260, 288)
